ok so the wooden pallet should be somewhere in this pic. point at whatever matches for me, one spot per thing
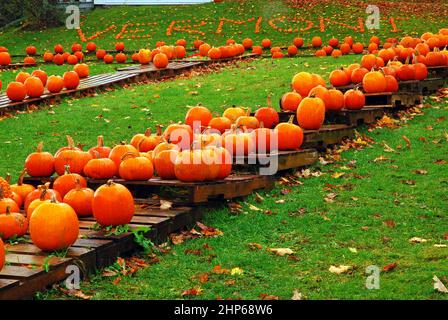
(327, 135)
(86, 84)
(277, 161)
(393, 99)
(13, 66)
(25, 272)
(355, 117)
(438, 72)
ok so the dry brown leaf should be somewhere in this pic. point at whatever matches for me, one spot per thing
(417, 240)
(192, 292)
(254, 246)
(165, 205)
(438, 285)
(203, 277)
(281, 251)
(296, 295)
(339, 269)
(408, 142)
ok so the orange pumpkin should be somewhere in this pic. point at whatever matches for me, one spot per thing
(39, 163)
(257, 50)
(358, 74)
(120, 150)
(322, 93)
(6, 202)
(91, 46)
(80, 199)
(42, 75)
(100, 151)
(34, 87)
(220, 123)
(247, 121)
(311, 113)
(354, 99)
(214, 53)
(238, 142)
(68, 181)
(374, 81)
(72, 59)
(55, 84)
(42, 192)
(336, 100)
(82, 70)
(368, 61)
(58, 59)
(120, 57)
(119, 46)
(160, 60)
(164, 163)
(391, 84)
(179, 134)
(233, 113)
(71, 156)
(267, 115)
(289, 135)
(290, 101)
(12, 224)
(189, 166)
(100, 168)
(298, 42)
(421, 71)
(113, 205)
(302, 83)
(266, 43)
(147, 142)
(358, 48)
(5, 59)
(22, 76)
(100, 54)
(108, 59)
(248, 43)
(16, 91)
(338, 78)
(198, 117)
(71, 80)
(204, 49)
(20, 188)
(54, 226)
(134, 167)
(316, 42)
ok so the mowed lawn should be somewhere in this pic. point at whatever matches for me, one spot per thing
(359, 211)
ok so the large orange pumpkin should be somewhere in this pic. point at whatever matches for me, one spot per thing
(311, 113)
(354, 99)
(34, 87)
(316, 42)
(55, 84)
(54, 226)
(71, 156)
(336, 100)
(71, 80)
(204, 49)
(43, 192)
(6, 202)
(16, 91)
(179, 134)
(290, 136)
(80, 199)
(374, 81)
(160, 60)
(42, 75)
(113, 205)
(189, 166)
(147, 142)
(233, 113)
(39, 163)
(101, 168)
(82, 70)
(199, 116)
(267, 115)
(220, 123)
(339, 78)
(68, 181)
(164, 164)
(5, 59)
(120, 150)
(302, 83)
(22, 76)
(133, 167)
(322, 93)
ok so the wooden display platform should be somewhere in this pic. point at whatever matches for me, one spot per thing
(277, 161)
(30, 270)
(393, 99)
(438, 72)
(327, 135)
(355, 117)
(14, 66)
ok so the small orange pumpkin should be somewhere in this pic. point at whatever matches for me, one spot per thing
(311, 113)
(12, 224)
(80, 199)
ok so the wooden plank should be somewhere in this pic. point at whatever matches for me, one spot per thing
(19, 272)
(327, 135)
(355, 117)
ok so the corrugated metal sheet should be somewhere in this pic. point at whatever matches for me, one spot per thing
(148, 2)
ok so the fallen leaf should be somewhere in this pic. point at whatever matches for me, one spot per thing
(258, 198)
(265, 296)
(337, 175)
(417, 240)
(353, 250)
(390, 267)
(340, 269)
(192, 292)
(165, 205)
(420, 171)
(280, 251)
(439, 286)
(296, 295)
(254, 246)
(389, 223)
(219, 270)
(380, 158)
(408, 142)
(236, 271)
(254, 208)
(409, 182)
(230, 282)
(116, 281)
(330, 197)
(75, 293)
(203, 277)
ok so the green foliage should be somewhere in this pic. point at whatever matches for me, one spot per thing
(10, 11)
(139, 238)
(40, 14)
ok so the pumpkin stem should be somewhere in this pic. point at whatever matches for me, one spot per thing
(71, 143)
(8, 177)
(100, 142)
(269, 102)
(80, 145)
(110, 183)
(78, 184)
(139, 144)
(291, 119)
(148, 132)
(97, 154)
(43, 194)
(159, 129)
(67, 169)
(8, 210)
(127, 155)
(40, 147)
(22, 175)
(53, 199)
(248, 111)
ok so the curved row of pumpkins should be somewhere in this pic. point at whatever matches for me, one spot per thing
(33, 85)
